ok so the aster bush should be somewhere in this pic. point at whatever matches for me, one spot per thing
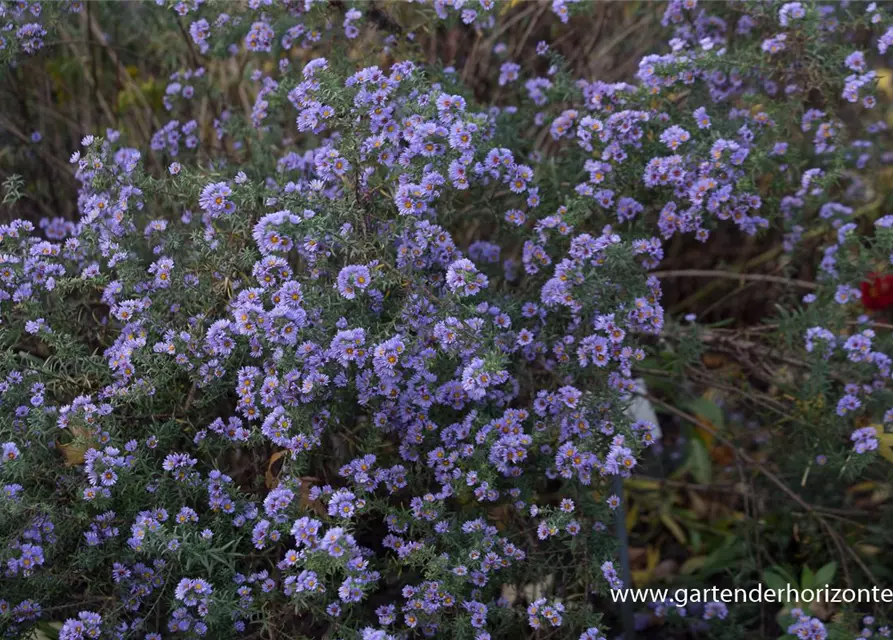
(334, 344)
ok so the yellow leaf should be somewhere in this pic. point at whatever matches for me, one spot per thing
(885, 443)
(508, 4)
(652, 557)
(632, 517)
(642, 484)
(868, 550)
(640, 577)
(674, 528)
(643, 576)
(868, 485)
(885, 81)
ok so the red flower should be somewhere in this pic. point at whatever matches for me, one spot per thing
(877, 292)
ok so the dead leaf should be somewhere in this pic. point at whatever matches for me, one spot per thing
(723, 455)
(714, 360)
(637, 556)
(306, 503)
(271, 479)
(665, 569)
(498, 516)
(698, 504)
(652, 558)
(820, 609)
(74, 451)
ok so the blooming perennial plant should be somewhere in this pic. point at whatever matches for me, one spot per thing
(266, 383)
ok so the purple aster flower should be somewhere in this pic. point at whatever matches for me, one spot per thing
(351, 279)
(214, 199)
(464, 279)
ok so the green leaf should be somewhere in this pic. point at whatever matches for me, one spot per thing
(775, 578)
(674, 528)
(47, 630)
(708, 410)
(825, 575)
(699, 461)
(807, 578)
(730, 554)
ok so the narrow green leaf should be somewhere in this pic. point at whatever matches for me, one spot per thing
(699, 462)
